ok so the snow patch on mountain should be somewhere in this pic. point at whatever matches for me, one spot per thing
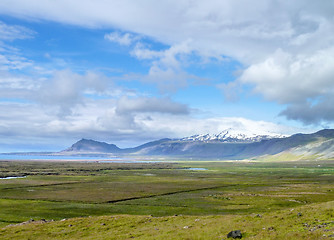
(234, 135)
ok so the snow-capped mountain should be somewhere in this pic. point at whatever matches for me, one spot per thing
(234, 135)
(229, 144)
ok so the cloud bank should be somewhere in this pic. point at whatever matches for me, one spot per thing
(284, 49)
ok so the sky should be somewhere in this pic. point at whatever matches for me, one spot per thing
(132, 71)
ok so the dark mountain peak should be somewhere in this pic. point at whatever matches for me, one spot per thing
(84, 140)
(88, 145)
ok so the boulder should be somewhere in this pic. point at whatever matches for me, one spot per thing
(234, 234)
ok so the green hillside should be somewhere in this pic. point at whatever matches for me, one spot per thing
(315, 222)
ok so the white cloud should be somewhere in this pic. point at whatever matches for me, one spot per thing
(240, 29)
(125, 39)
(304, 82)
(66, 89)
(15, 87)
(101, 120)
(180, 126)
(125, 116)
(288, 78)
(143, 53)
(10, 57)
(127, 105)
(169, 57)
(13, 62)
(167, 80)
(12, 32)
(231, 90)
(244, 30)
(166, 69)
(286, 48)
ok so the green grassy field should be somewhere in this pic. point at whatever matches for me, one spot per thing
(167, 200)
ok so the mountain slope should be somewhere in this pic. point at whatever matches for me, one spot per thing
(228, 150)
(320, 144)
(146, 145)
(91, 146)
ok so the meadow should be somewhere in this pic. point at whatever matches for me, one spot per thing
(180, 200)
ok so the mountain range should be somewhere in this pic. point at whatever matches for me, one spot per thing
(229, 144)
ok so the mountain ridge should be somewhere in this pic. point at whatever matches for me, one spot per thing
(234, 135)
(318, 143)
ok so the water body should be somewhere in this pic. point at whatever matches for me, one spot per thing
(197, 169)
(28, 157)
(129, 160)
(81, 158)
(11, 177)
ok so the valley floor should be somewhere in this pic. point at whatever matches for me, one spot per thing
(182, 200)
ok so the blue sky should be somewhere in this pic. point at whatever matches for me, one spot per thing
(127, 72)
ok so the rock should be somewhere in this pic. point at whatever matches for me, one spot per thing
(234, 234)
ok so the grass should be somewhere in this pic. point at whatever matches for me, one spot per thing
(284, 224)
(123, 197)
